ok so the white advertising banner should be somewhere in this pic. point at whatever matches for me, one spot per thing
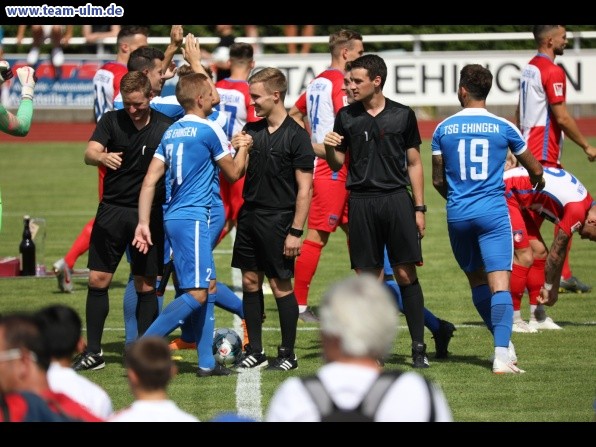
(430, 79)
(427, 79)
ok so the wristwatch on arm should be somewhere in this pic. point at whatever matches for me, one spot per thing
(296, 232)
(421, 208)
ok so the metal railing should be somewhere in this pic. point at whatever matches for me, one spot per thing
(415, 39)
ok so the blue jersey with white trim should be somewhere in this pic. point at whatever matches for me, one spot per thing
(473, 144)
(190, 148)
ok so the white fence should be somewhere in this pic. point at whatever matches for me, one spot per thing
(416, 39)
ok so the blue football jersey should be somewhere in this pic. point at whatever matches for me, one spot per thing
(473, 144)
(190, 148)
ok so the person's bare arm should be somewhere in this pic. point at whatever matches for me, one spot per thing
(68, 31)
(96, 154)
(335, 159)
(416, 174)
(297, 115)
(233, 168)
(142, 239)
(192, 54)
(438, 174)
(549, 293)
(21, 33)
(176, 37)
(292, 244)
(569, 126)
(533, 167)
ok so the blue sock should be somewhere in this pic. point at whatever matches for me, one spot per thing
(159, 298)
(129, 307)
(228, 300)
(203, 323)
(430, 320)
(175, 312)
(187, 333)
(481, 296)
(502, 317)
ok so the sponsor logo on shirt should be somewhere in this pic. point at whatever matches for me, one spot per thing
(558, 87)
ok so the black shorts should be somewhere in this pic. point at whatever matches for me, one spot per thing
(259, 244)
(378, 220)
(114, 230)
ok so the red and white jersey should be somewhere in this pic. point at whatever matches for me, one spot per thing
(235, 103)
(320, 102)
(542, 83)
(564, 200)
(106, 84)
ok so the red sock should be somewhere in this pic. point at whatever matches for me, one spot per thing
(517, 284)
(536, 280)
(80, 245)
(306, 266)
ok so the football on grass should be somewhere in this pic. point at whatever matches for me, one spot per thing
(227, 346)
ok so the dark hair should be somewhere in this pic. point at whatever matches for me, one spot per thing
(61, 327)
(540, 31)
(143, 58)
(23, 331)
(373, 64)
(150, 358)
(477, 80)
(131, 30)
(241, 51)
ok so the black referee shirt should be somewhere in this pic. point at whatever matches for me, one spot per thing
(377, 145)
(270, 177)
(116, 131)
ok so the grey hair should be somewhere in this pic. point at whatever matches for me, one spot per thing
(361, 312)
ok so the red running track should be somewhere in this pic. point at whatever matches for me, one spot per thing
(64, 131)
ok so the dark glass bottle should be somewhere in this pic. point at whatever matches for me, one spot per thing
(27, 250)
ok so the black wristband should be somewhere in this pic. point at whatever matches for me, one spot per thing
(421, 208)
(295, 232)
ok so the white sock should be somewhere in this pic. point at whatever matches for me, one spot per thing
(302, 308)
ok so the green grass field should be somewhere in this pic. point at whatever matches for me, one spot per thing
(50, 180)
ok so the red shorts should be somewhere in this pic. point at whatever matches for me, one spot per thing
(525, 225)
(231, 194)
(329, 205)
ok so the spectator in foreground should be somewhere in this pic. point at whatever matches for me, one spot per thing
(150, 368)
(61, 326)
(359, 321)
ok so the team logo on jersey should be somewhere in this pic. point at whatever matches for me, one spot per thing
(558, 88)
(332, 221)
(518, 236)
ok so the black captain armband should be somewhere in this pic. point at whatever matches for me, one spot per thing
(296, 232)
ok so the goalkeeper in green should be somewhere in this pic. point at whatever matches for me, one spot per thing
(17, 125)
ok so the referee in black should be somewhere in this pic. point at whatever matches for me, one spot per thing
(277, 193)
(124, 142)
(382, 141)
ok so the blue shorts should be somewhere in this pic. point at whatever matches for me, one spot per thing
(483, 242)
(193, 258)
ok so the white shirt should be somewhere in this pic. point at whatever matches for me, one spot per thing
(63, 379)
(152, 411)
(407, 400)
